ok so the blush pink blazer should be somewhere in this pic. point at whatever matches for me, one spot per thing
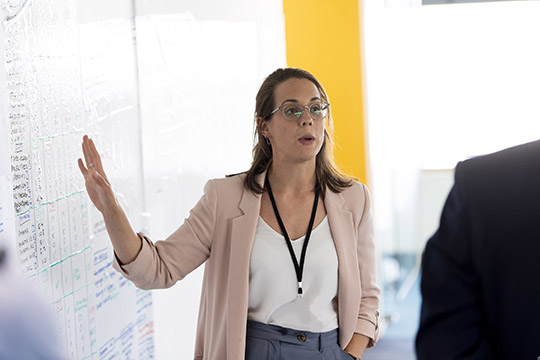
(220, 231)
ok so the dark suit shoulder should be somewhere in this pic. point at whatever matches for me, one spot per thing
(515, 166)
(513, 158)
(502, 185)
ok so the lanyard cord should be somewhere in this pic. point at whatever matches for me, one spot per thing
(298, 268)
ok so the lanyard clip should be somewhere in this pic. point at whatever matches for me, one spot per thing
(300, 290)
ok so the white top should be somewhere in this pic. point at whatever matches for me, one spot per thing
(273, 288)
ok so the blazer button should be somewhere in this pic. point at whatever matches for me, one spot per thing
(301, 337)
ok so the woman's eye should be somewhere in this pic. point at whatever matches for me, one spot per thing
(293, 111)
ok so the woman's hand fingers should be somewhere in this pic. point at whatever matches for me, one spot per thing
(92, 158)
(83, 168)
(97, 160)
(97, 186)
(94, 154)
(86, 152)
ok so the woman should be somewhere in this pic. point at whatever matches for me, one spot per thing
(270, 286)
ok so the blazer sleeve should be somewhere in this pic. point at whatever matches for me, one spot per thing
(162, 264)
(451, 314)
(368, 314)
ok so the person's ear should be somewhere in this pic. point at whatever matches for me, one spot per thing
(262, 125)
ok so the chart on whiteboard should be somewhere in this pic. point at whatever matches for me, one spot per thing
(63, 80)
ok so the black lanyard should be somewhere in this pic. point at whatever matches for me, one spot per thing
(298, 268)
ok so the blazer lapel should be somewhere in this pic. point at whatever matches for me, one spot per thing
(242, 234)
(343, 231)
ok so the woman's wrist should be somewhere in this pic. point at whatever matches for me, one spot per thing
(112, 208)
(357, 345)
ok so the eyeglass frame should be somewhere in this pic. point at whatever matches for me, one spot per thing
(327, 106)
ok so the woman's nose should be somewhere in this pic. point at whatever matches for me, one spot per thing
(306, 119)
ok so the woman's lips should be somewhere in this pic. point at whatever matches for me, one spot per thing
(307, 140)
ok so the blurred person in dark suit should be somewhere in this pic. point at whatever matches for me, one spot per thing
(27, 329)
(481, 269)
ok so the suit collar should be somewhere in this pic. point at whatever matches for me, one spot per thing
(242, 234)
(334, 200)
(343, 230)
(249, 199)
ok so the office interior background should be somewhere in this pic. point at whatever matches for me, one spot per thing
(414, 89)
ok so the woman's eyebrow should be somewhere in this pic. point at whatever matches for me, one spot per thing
(294, 100)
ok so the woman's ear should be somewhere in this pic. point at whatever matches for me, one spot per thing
(262, 125)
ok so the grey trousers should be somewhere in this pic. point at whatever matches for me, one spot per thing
(271, 342)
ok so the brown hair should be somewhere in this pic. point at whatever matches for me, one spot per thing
(326, 171)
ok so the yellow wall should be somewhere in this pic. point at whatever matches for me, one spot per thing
(324, 37)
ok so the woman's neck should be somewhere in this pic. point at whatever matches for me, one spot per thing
(292, 178)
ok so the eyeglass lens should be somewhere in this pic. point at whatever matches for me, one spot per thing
(293, 112)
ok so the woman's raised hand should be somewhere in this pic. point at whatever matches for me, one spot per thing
(97, 185)
(125, 241)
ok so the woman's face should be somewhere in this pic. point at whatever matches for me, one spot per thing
(300, 140)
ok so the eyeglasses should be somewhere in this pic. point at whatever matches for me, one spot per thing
(293, 112)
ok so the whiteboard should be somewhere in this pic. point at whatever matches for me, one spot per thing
(61, 80)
